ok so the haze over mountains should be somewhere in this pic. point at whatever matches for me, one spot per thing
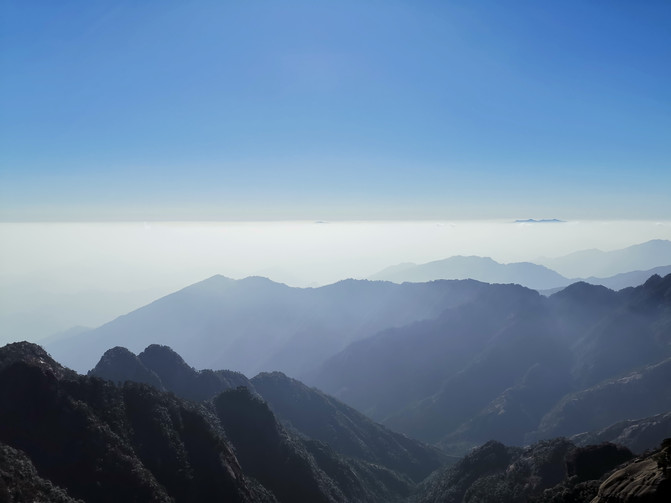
(37, 306)
(588, 263)
(616, 269)
(255, 324)
(451, 362)
(512, 365)
(321, 321)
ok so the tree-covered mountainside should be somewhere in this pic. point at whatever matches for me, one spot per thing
(102, 443)
(98, 440)
(20, 482)
(306, 411)
(512, 362)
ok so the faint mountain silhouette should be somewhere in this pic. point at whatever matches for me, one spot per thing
(597, 263)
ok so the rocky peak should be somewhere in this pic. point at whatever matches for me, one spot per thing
(119, 365)
(33, 355)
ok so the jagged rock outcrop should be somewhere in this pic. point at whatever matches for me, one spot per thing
(120, 365)
(640, 482)
(164, 369)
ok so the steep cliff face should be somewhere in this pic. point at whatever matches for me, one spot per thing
(640, 482)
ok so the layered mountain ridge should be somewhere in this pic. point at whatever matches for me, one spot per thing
(502, 365)
(255, 325)
(458, 363)
(615, 269)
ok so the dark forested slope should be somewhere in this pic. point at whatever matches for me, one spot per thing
(86, 438)
(310, 413)
(104, 443)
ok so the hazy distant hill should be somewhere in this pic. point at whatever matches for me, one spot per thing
(597, 263)
(616, 269)
(627, 279)
(29, 312)
(484, 269)
(620, 281)
(494, 367)
(254, 324)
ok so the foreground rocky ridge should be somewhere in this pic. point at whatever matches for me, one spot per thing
(553, 471)
(103, 443)
(95, 440)
(66, 437)
(305, 410)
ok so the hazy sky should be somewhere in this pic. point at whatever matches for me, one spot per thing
(74, 257)
(228, 110)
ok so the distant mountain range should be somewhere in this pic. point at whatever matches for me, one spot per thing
(616, 269)
(253, 325)
(484, 269)
(453, 363)
(514, 365)
(597, 263)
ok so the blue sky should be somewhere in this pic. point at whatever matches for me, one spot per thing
(127, 110)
